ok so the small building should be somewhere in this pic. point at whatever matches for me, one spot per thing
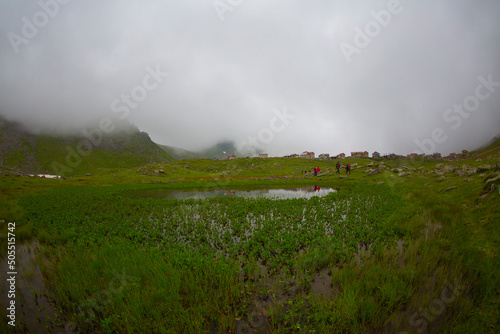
(413, 155)
(390, 156)
(230, 156)
(341, 156)
(465, 153)
(375, 155)
(436, 155)
(452, 156)
(359, 154)
(324, 156)
(307, 155)
(263, 155)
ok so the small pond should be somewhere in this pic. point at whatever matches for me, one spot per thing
(273, 193)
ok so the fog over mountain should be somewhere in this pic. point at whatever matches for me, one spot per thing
(282, 76)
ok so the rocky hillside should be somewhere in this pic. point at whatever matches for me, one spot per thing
(16, 149)
(22, 152)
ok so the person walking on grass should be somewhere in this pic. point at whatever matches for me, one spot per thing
(315, 172)
(338, 168)
(348, 169)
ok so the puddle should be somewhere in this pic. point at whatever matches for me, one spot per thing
(35, 312)
(321, 285)
(273, 291)
(273, 193)
(431, 229)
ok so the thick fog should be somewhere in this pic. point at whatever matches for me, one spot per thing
(284, 76)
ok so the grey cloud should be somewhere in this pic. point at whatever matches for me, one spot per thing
(226, 77)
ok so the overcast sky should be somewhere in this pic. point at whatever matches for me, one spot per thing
(342, 75)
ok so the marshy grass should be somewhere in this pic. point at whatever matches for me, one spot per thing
(370, 258)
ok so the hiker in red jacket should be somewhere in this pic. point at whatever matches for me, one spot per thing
(348, 169)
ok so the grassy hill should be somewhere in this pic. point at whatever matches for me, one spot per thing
(177, 153)
(493, 147)
(406, 236)
(410, 245)
(22, 152)
(217, 151)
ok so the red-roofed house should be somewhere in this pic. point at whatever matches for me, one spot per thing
(307, 155)
(359, 154)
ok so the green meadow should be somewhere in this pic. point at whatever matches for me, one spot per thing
(411, 248)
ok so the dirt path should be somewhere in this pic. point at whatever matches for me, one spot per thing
(496, 148)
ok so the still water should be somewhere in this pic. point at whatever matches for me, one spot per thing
(273, 193)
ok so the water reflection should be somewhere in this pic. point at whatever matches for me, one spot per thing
(35, 309)
(273, 193)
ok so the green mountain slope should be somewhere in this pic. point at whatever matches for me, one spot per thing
(217, 151)
(27, 153)
(492, 147)
(180, 153)
(214, 152)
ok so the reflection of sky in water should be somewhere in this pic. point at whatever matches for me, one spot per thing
(304, 192)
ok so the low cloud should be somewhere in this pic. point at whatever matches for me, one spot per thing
(227, 76)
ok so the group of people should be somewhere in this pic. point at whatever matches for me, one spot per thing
(316, 170)
(347, 168)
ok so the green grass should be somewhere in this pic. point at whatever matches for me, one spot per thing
(64, 155)
(179, 153)
(388, 248)
(128, 289)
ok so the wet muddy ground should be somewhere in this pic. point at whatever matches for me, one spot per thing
(35, 307)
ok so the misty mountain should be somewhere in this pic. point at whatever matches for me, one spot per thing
(22, 151)
(177, 153)
(301, 75)
(220, 150)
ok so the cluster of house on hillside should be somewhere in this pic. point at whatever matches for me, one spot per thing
(451, 156)
(364, 154)
(325, 156)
